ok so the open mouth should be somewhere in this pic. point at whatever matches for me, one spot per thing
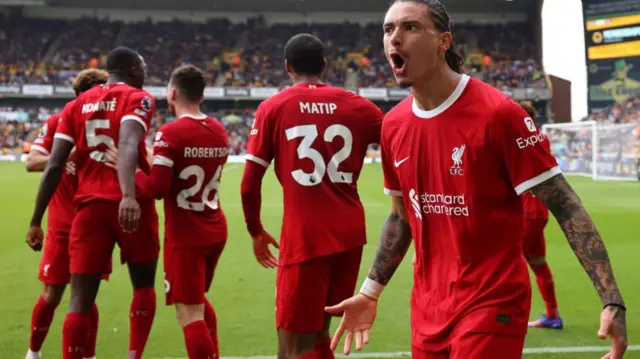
(398, 63)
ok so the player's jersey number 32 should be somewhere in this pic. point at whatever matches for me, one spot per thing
(309, 133)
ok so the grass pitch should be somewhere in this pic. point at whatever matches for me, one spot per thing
(243, 292)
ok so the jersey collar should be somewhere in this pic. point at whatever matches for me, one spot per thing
(445, 105)
(200, 116)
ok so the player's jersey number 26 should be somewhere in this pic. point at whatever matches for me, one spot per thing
(213, 185)
(309, 134)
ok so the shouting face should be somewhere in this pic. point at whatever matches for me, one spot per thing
(412, 43)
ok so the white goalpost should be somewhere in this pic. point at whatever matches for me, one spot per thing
(596, 150)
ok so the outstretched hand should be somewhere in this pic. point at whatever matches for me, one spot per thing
(261, 249)
(613, 324)
(359, 313)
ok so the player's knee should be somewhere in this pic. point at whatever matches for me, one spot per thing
(536, 261)
(52, 294)
(143, 275)
(187, 314)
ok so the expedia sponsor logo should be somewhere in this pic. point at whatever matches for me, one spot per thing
(524, 142)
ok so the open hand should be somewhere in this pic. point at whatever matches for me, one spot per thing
(359, 313)
(613, 324)
(261, 249)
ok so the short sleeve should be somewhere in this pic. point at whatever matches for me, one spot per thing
(391, 181)
(260, 146)
(524, 149)
(163, 149)
(376, 116)
(44, 142)
(140, 107)
(66, 124)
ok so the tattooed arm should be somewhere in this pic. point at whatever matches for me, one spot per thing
(394, 243)
(584, 239)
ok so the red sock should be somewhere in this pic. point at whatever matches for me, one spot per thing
(311, 355)
(198, 340)
(547, 290)
(41, 319)
(143, 310)
(92, 336)
(74, 335)
(323, 349)
(211, 319)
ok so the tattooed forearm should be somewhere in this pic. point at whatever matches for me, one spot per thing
(394, 243)
(583, 237)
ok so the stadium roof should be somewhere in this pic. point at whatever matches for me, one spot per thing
(492, 6)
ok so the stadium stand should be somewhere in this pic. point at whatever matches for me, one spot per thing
(245, 54)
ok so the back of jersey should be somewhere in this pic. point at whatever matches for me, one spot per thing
(197, 147)
(318, 136)
(92, 122)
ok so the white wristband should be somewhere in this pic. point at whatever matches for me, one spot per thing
(371, 288)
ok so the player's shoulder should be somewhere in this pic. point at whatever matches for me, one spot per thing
(485, 97)
(53, 119)
(399, 112)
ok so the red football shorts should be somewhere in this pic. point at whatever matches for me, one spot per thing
(95, 231)
(534, 242)
(304, 289)
(188, 272)
(477, 346)
(54, 265)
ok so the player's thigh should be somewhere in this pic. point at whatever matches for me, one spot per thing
(345, 268)
(301, 295)
(185, 276)
(534, 242)
(213, 254)
(487, 345)
(143, 245)
(417, 353)
(54, 265)
(92, 238)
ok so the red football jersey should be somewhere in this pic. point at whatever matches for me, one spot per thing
(533, 207)
(92, 123)
(196, 148)
(460, 169)
(318, 136)
(60, 208)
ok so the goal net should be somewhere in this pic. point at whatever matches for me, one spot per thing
(600, 151)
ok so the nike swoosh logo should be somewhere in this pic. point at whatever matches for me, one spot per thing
(398, 163)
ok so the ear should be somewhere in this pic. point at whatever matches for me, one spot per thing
(287, 66)
(446, 41)
(324, 65)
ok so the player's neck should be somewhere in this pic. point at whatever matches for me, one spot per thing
(303, 79)
(187, 110)
(432, 92)
(114, 79)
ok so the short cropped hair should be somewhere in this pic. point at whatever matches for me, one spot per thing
(305, 54)
(189, 81)
(89, 78)
(528, 107)
(122, 60)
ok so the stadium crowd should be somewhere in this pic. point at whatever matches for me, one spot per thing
(250, 54)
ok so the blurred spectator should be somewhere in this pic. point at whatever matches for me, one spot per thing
(39, 51)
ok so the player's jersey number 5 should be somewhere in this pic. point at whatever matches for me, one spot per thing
(213, 185)
(309, 133)
(93, 140)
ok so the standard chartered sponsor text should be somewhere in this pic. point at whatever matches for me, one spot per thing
(444, 204)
